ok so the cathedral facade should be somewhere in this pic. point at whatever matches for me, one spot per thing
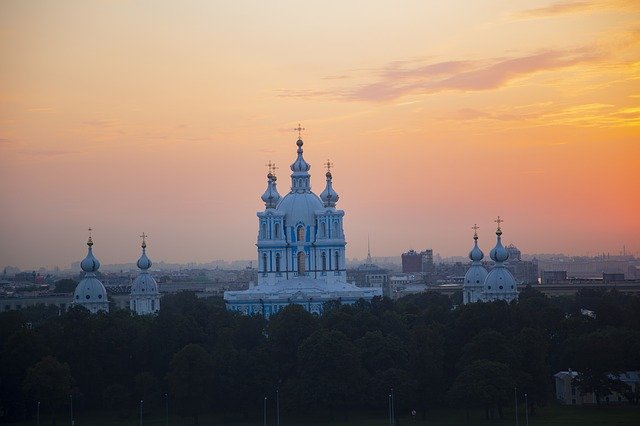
(301, 249)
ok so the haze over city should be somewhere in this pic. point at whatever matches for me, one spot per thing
(148, 116)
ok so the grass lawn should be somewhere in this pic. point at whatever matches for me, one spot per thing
(551, 415)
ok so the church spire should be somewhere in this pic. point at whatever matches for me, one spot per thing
(329, 196)
(144, 262)
(90, 263)
(475, 254)
(300, 179)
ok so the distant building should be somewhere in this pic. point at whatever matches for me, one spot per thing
(553, 277)
(415, 262)
(567, 393)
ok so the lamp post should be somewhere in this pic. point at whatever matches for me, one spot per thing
(515, 395)
(390, 424)
(71, 398)
(393, 409)
(264, 411)
(38, 414)
(166, 409)
(277, 407)
(526, 409)
(141, 402)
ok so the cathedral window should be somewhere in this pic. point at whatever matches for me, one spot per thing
(324, 261)
(323, 229)
(337, 261)
(300, 233)
(277, 230)
(277, 262)
(264, 230)
(264, 262)
(301, 265)
(336, 230)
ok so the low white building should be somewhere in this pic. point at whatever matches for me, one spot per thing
(567, 393)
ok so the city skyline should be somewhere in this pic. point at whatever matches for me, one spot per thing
(139, 116)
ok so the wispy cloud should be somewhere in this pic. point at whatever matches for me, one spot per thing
(395, 81)
(554, 9)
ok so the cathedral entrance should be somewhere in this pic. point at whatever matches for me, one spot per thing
(301, 263)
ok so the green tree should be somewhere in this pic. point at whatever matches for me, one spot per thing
(66, 285)
(483, 383)
(49, 382)
(330, 371)
(190, 379)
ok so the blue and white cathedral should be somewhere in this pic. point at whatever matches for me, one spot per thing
(497, 284)
(301, 249)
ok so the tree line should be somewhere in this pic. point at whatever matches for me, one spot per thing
(200, 358)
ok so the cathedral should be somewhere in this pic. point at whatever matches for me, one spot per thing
(498, 284)
(301, 248)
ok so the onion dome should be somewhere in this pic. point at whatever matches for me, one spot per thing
(499, 253)
(271, 196)
(300, 165)
(144, 262)
(329, 196)
(90, 263)
(476, 255)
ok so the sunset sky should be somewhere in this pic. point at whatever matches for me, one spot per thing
(159, 116)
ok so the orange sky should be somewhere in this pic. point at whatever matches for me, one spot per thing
(133, 116)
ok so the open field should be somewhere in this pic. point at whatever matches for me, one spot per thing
(552, 415)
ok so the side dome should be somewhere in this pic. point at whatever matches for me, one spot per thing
(499, 253)
(144, 284)
(90, 263)
(475, 276)
(90, 290)
(500, 280)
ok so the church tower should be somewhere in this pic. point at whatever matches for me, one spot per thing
(90, 292)
(145, 297)
(476, 275)
(499, 284)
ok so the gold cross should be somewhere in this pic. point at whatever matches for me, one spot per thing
(498, 221)
(272, 167)
(299, 129)
(90, 242)
(328, 165)
(144, 242)
(475, 228)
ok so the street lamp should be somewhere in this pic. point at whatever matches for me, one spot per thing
(166, 409)
(141, 402)
(526, 409)
(515, 395)
(393, 409)
(277, 407)
(38, 414)
(264, 410)
(71, 398)
(390, 422)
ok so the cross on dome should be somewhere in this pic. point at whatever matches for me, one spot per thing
(272, 167)
(328, 166)
(144, 242)
(90, 241)
(498, 221)
(475, 228)
(299, 129)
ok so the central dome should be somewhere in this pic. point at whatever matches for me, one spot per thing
(300, 207)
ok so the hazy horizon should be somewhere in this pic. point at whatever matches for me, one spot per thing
(160, 117)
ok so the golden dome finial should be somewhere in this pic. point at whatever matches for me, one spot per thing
(144, 241)
(90, 241)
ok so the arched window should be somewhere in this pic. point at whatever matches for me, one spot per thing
(277, 230)
(337, 261)
(336, 230)
(264, 230)
(323, 229)
(264, 262)
(300, 233)
(277, 262)
(301, 261)
(324, 261)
